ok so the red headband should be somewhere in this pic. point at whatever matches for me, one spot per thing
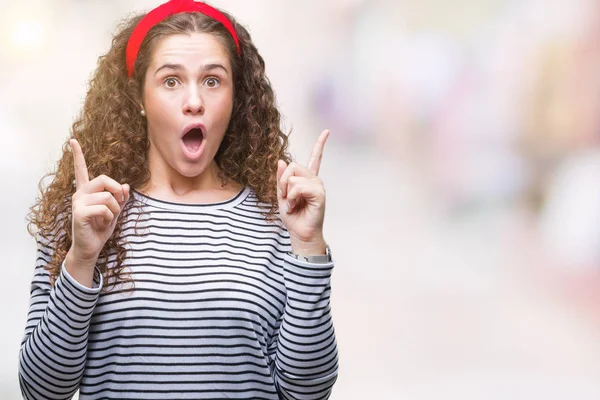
(163, 11)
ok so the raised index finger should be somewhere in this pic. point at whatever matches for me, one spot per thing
(314, 162)
(81, 172)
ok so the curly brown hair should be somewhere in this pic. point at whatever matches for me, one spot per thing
(113, 135)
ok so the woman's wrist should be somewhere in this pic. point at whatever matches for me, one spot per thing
(313, 247)
(80, 270)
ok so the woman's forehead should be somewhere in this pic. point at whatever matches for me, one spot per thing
(190, 50)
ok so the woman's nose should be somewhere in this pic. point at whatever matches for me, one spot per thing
(193, 103)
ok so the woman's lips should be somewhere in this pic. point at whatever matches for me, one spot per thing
(193, 144)
(193, 139)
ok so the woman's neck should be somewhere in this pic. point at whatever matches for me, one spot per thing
(207, 187)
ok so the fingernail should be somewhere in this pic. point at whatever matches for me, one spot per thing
(286, 208)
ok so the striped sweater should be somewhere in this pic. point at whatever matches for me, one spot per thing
(218, 310)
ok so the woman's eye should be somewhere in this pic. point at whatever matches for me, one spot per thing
(171, 82)
(212, 82)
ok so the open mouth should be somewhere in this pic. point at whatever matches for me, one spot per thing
(193, 139)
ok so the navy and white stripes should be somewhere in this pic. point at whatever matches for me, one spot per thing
(218, 310)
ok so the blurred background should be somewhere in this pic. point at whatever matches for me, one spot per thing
(462, 172)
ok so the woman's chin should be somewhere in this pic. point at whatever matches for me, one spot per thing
(189, 169)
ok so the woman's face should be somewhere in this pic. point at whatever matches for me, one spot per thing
(188, 99)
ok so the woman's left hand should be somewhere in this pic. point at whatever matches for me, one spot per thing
(301, 198)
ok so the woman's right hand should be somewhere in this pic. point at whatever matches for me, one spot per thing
(96, 206)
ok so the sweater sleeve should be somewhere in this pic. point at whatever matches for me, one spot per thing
(54, 347)
(304, 357)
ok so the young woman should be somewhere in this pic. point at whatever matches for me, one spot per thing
(180, 253)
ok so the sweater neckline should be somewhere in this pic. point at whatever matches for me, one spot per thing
(192, 207)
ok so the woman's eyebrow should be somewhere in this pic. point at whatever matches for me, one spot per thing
(169, 66)
(207, 67)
